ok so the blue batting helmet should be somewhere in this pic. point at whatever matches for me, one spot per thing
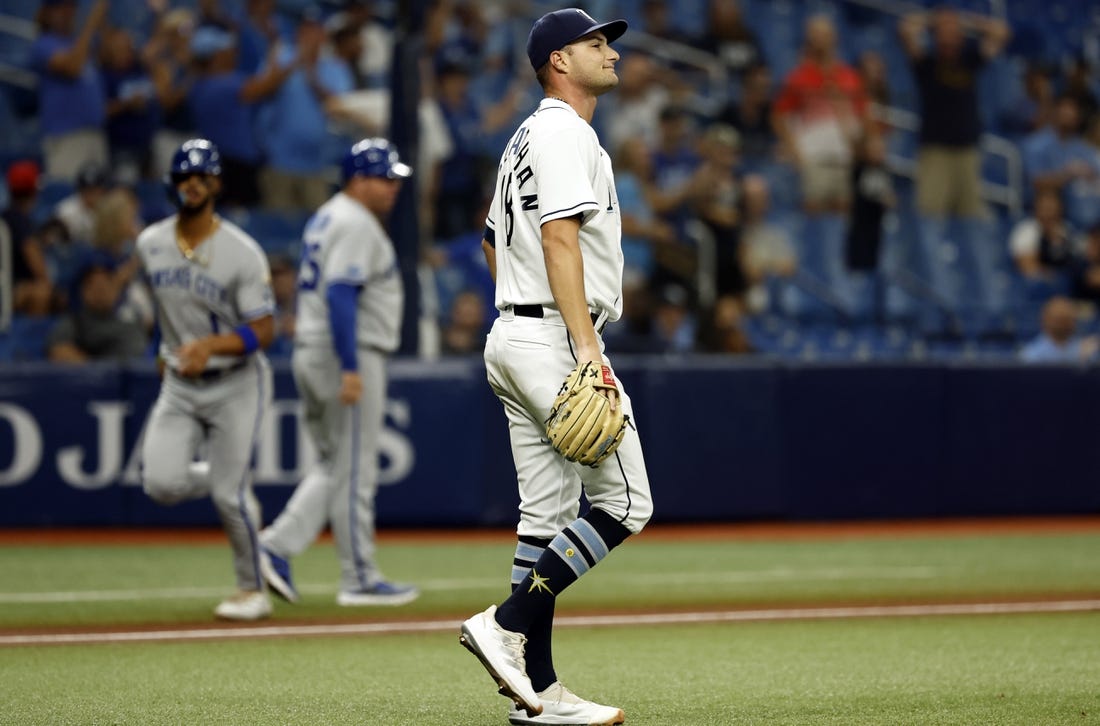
(196, 156)
(374, 157)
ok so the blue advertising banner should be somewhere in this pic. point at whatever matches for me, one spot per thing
(70, 448)
(724, 441)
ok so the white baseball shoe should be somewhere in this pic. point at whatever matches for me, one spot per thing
(562, 707)
(501, 652)
(245, 605)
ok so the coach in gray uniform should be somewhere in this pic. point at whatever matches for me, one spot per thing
(350, 301)
(215, 313)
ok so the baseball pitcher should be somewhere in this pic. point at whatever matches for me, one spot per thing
(552, 240)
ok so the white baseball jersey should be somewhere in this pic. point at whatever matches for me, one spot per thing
(226, 283)
(345, 243)
(553, 168)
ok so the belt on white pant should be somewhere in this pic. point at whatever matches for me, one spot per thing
(599, 318)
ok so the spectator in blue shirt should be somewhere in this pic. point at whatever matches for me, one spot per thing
(293, 126)
(470, 122)
(1061, 160)
(70, 94)
(1058, 343)
(642, 231)
(221, 102)
(459, 171)
(258, 32)
(1031, 110)
(133, 113)
(677, 186)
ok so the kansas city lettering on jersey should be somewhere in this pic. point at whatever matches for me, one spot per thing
(181, 278)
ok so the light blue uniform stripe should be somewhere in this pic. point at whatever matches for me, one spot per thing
(353, 501)
(561, 546)
(242, 487)
(596, 546)
(528, 554)
(526, 551)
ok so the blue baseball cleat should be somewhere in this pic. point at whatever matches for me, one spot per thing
(379, 593)
(276, 571)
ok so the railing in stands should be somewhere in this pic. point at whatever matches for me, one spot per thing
(997, 8)
(5, 277)
(21, 29)
(712, 68)
(1008, 195)
(717, 87)
(906, 281)
(816, 288)
(706, 263)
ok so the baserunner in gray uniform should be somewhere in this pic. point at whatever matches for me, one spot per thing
(350, 302)
(214, 309)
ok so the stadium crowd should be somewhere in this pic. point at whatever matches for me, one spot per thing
(730, 164)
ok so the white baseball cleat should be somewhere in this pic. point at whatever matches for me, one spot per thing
(245, 605)
(501, 652)
(562, 707)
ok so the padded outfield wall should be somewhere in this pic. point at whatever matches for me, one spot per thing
(725, 441)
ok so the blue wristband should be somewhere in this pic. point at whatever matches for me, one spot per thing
(248, 337)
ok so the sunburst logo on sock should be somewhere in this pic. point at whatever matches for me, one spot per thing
(538, 582)
(570, 552)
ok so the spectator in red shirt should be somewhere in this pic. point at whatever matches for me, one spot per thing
(32, 289)
(819, 113)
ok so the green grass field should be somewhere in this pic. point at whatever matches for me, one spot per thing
(992, 669)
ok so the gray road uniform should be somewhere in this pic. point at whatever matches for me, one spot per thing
(224, 284)
(344, 243)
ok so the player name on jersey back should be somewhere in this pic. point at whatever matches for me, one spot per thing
(554, 168)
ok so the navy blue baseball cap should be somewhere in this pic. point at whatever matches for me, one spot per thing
(558, 29)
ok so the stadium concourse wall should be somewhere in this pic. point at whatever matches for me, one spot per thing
(724, 441)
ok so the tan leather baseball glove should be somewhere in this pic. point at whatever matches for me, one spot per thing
(582, 427)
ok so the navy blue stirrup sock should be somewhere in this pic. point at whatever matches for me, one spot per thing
(539, 652)
(573, 552)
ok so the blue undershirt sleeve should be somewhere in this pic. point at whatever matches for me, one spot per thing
(342, 304)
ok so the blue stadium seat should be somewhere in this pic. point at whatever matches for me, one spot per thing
(767, 333)
(822, 253)
(779, 27)
(277, 233)
(51, 193)
(19, 134)
(24, 9)
(14, 50)
(153, 200)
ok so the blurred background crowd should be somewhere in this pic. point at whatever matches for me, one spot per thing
(827, 179)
